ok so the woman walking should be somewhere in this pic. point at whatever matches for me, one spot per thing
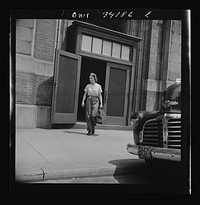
(93, 97)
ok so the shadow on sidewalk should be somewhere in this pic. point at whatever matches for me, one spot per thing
(81, 133)
(163, 178)
(127, 167)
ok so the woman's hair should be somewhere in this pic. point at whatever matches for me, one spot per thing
(94, 76)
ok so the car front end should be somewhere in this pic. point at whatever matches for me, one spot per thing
(157, 134)
(159, 137)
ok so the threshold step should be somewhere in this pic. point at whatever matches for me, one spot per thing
(83, 125)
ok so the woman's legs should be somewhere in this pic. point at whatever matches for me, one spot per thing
(92, 105)
(94, 110)
(87, 116)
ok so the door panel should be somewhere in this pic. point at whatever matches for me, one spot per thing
(66, 80)
(116, 94)
(66, 88)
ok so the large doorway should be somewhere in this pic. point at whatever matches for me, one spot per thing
(114, 80)
(72, 75)
(90, 65)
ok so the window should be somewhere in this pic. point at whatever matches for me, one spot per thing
(125, 52)
(116, 50)
(107, 48)
(86, 43)
(96, 45)
(104, 47)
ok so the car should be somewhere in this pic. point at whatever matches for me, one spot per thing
(157, 134)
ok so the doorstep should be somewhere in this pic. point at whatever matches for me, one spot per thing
(82, 125)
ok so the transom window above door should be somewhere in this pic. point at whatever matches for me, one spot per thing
(105, 47)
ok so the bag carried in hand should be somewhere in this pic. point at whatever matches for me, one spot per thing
(99, 116)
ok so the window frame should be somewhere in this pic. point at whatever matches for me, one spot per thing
(84, 28)
(102, 46)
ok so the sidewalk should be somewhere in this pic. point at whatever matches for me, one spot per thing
(45, 154)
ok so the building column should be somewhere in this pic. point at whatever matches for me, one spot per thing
(174, 56)
(136, 28)
(138, 66)
(155, 70)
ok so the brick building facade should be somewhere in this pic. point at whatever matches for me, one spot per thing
(157, 63)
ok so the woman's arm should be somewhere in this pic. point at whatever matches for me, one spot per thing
(83, 100)
(100, 98)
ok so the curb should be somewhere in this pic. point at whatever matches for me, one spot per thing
(68, 174)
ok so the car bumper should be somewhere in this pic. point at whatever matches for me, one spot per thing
(146, 152)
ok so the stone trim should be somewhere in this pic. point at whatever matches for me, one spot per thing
(29, 64)
(31, 116)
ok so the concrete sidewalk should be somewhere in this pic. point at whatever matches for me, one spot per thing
(45, 154)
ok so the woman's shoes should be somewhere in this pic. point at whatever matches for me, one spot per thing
(91, 132)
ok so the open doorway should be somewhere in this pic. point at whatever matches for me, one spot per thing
(89, 65)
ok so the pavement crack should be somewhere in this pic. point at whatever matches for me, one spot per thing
(43, 174)
(37, 151)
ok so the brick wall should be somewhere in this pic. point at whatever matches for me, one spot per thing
(163, 64)
(156, 63)
(45, 35)
(34, 79)
(25, 91)
(153, 50)
(174, 67)
(35, 48)
(152, 65)
(143, 65)
(33, 89)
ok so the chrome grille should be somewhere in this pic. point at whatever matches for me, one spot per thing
(152, 133)
(174, 133)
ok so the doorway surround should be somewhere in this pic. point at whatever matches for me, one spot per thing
(117, 49)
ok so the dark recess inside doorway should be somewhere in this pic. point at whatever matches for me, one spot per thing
(90, 65)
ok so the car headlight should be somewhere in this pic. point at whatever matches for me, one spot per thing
(135, 120)
(140, 136)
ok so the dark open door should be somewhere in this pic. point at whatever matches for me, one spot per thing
(66, 88)
(116, 94)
